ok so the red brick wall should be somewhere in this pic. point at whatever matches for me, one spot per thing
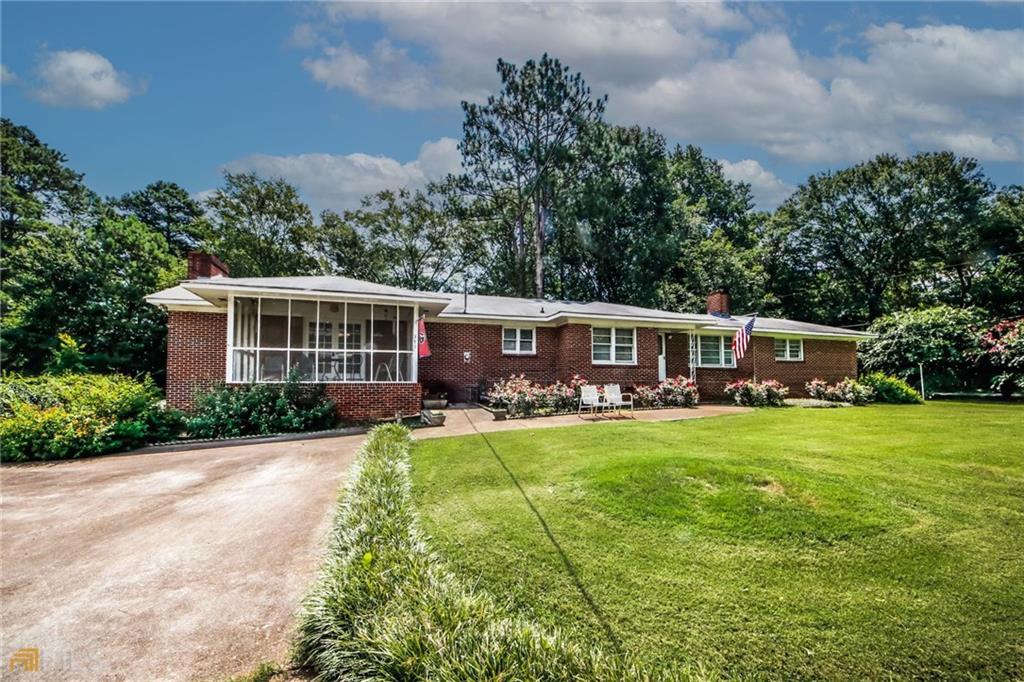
(575, 358)
(561, 353)
(196, 356)
(196, 353)
(447, 369)
(828, 360)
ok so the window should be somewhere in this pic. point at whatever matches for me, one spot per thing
(325, 341)
(790, 350)
(613, 345)
(517, 341)
(715, 351)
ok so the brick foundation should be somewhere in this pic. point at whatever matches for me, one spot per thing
(375, 401)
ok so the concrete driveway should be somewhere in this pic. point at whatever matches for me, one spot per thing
(171, 566)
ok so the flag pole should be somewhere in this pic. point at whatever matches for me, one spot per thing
(753, 349)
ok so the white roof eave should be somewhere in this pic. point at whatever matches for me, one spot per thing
(206, 289)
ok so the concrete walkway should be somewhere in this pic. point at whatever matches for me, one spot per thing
(465, 420)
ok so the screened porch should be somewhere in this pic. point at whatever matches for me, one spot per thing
(320, 341)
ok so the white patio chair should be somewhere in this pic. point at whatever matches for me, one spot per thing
(614, 397)
(589, 398)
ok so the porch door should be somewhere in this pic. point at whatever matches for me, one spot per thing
(662, 374)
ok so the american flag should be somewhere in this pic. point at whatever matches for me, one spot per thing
(741, 339)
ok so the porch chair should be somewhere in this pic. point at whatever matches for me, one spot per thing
(614, 397)
(589, 398)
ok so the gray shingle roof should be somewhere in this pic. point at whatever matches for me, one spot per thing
(450, 305)
(542, 309)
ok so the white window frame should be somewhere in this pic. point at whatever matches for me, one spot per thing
(612, 361)
(789, 350)
(725, 343)
(519, 341)
(316, 350)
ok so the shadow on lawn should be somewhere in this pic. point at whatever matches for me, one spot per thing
(570, 569)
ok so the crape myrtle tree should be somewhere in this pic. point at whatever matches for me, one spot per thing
(517, 155)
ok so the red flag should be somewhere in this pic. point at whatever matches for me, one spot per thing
(421, 340)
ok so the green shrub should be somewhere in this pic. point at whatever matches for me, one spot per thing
(890, 389)
(260, 409)
(386, 608)
(76, 415)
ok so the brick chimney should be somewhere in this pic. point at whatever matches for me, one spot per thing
(205, 265)
(718, 303)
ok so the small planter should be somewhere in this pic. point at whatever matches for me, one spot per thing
(431, 418)
(499, 415)
(435, 403)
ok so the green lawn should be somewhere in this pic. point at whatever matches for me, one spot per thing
(795, 543)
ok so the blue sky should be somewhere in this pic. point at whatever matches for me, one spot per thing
(346, 99)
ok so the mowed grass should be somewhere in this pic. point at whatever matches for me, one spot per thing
(875, 542)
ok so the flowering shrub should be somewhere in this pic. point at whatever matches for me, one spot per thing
(845, 391)
(1003, 345)
(769, 393)
(677, 392)
(522, 397)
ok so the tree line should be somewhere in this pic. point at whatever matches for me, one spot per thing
(552, 201)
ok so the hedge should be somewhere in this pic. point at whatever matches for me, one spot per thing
(385, 607)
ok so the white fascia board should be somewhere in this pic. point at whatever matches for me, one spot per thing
(206, 290)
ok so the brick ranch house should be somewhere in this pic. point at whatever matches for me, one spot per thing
(358, 339)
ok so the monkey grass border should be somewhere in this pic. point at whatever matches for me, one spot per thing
(386, 606)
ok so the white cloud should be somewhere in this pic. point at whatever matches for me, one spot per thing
(675, 67)
(340, 181)
(79, 78)
(6, 75)
(769, 190)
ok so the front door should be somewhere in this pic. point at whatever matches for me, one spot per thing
(662, 375)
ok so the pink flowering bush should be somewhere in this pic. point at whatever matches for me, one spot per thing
(845, 391)
(517, 394)
(769, 393)
(1003, 345)
(677, 392)
(522, 397)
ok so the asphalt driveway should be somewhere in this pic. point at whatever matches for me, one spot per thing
(172, 566)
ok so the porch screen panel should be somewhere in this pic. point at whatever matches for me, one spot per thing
(303, 339)
(246, 321)
(357, 339)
